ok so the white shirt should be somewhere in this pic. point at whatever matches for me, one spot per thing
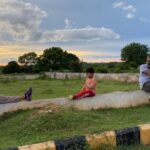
(143, 77)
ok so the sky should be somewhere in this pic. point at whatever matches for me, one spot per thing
(95, 30)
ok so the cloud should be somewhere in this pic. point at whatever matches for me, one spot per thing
(81, 34)
(130, 9)
(19, 20)
(118, 4)
(67, 23)
(124, 6)
(104, 59)
(142, 19)
(130, 16)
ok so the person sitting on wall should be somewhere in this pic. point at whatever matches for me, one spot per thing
(89, 87)
(14, 99)
(144, 79)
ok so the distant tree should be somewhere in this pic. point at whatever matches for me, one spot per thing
(56, 59)
(70, 59)
(11, 67)
(52, 58)
(75, 66)
(28, 59)
(40, 65)
(134, 54)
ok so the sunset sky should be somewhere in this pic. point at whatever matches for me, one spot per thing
(95, 30)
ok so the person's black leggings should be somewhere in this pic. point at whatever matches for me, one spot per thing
(146, 87)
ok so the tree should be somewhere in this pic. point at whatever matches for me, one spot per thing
(56, 59)
(28, 59)
(134, 54)
(70, 59)
(40, 65)
(12, 67)
(52, 58)
(75, 66)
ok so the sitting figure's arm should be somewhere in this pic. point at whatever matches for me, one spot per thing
(147, 72)
(144, 69)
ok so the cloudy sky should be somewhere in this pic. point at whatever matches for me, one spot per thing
(95, 30)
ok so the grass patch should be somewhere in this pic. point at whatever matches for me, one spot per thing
(24, 127)
(52, 88)
(28, 127)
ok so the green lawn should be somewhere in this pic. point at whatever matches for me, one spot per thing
(50, 88)
(28, 127)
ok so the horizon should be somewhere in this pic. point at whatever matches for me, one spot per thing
(78, 54)
(93, 35)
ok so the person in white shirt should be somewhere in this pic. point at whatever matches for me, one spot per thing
(144, 79)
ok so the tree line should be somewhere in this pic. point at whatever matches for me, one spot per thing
(132, 56)
(52, 59)
(57, 59)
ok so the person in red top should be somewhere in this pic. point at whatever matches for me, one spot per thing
(89, 87)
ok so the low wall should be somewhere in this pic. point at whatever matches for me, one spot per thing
(125, 77)
(20, 77)
(128, 136)
(109, 100)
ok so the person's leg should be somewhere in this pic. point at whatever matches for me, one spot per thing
(10, 99)
(146, 87)
(14, 99)
(82, 94)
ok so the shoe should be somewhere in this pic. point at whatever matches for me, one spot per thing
(28, 94)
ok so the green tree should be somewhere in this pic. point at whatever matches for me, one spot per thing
(56, 59)
(40, 65)
(134, 54)
(52, 58)
(28, 59)
(11, 67)
(75, 66)
(69, 60)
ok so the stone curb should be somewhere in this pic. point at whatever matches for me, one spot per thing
(100, 101)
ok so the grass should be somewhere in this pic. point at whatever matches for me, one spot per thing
(50, 88)
(28, 127)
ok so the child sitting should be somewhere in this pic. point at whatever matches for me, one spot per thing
(89, 88)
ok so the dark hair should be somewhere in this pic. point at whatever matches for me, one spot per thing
(90, 70)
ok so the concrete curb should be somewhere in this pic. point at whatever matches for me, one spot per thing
(100, 101)
(128, 136)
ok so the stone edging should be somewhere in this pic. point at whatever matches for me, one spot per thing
(128, 136)
(125, 77)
